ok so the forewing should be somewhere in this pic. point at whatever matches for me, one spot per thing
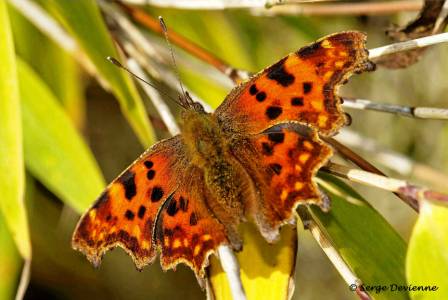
(124, 215)
(299, 88)
(186, 229)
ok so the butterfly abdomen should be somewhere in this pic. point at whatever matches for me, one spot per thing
(225, 181)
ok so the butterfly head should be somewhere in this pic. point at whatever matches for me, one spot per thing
(189, 104)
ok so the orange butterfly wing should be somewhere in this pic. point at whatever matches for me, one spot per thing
(283, 162)
(299, 88)
(156, 204)
(186, 229)
(125, 213)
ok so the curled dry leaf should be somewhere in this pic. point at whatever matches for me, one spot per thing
(423, 25)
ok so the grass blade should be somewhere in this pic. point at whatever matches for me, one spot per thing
(369, 245)
(84, 21)
(30, 43)
(12, 180)
(54, 151)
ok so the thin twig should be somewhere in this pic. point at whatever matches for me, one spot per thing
(333, 255)
(24, 280)
(408, 45)
(403, 110)
(156, 99)
(290, 6)
(440, 19)
(200, 4)
(353, 8)
(417, 194)
(152, 23)
(231, 267)
(154, 52)
(391, 159)
(144, 52)
(132, 31)
(350, 155)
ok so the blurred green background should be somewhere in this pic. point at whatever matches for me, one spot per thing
(246, 41)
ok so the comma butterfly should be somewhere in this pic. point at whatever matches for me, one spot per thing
(253, 158)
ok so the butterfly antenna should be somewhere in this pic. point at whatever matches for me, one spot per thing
(118, 64)
(184, 97)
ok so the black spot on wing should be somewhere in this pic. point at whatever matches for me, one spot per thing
(278, 73)
(297, 101)
(272, 112)
(253, 89)
(150, 174)
(267, 149)
(307, 86)
(129, 215)
(141, 211)
(128, 182)
(156, 194)
(149, 164)
(172, 208)
(310, 50)
(261, 96)
(276, 137)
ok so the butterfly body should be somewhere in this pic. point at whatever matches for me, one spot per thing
(208, 148)
(253, 159)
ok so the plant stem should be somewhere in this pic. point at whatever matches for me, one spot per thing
(414, 193)
(24, 280)
(408, 45)
(292, 7)
(391, 159)
(365, 165)
(296, 7)
(327, 246)
(194, 49)
(402, 110)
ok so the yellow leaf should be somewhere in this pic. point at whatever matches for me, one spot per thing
(267, 270)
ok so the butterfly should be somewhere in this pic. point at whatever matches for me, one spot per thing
(253, 159)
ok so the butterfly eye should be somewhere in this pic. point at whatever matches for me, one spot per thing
(198, 107)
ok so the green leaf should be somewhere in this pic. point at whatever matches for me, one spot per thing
(83, 19)
(427, 258)
(12, 180)
(10, 263)
(31, 43)
(55, 153)
(373, 250)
